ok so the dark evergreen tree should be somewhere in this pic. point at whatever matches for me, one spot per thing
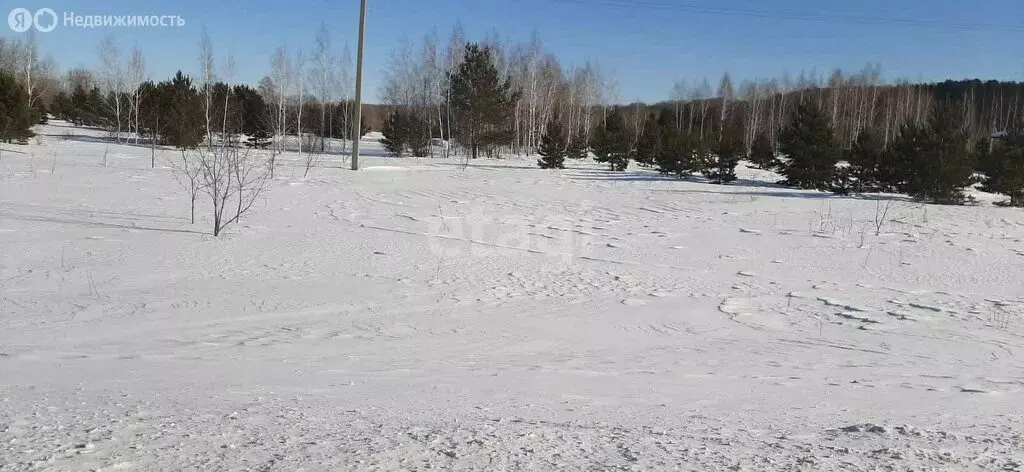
(936, 160)
(986, 159)
(76, 112)
(866, 160)
(810, 149)
(16, 116)
(842, 181)
(253, 116)
(896, 168)
(1004, 173)
(95, 111)
(483, 103)
(762, 153)
(40, 112)
(677, 155)
(224, 110)
(648, 146)
(152, 117)
(396, 133)
(611, 143)
(577, 147)
(553, 146)
(182, 111)
(61, 105)
(728, 151)
(417, 130)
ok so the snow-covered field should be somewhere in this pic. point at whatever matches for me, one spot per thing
(419, 315)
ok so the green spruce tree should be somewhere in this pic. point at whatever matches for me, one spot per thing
(762, 153)
(727, 153)
(553, 146)
(810, 149)
(16, 116)
(577, 147)
(395, 131)
(183, 110)
(649, 144)
(678, 153)
(866, 160)
(418, 134)
(611, 144)
(483, 103)
(1004, 173)
(936, 161)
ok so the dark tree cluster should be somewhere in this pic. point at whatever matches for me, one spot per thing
(1003, 167)
(612, 144)
(82, 107)
(16, 115)
(675, 150)
(405, 132)
(933, 162)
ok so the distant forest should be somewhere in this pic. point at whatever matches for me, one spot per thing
(490, 98)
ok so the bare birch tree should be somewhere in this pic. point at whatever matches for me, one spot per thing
(113, 80)
(208, 76)
(136, 76)
(322, 77)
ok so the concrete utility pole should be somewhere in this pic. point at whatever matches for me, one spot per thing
(359, 87)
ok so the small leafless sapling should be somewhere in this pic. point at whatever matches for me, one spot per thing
(230, 176)
(310, 152)
(187, 171)
(880, 215)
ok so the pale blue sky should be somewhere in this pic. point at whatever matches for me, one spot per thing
(647, 45)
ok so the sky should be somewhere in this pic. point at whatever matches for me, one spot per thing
(644, 45)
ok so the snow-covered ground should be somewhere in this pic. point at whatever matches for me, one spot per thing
(418, 314)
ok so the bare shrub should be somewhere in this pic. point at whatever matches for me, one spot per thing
(187, 171)
(881, 213)
(233, 177)
(309, 147)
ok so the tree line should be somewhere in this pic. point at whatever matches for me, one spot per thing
(834, 133)
(490, 97)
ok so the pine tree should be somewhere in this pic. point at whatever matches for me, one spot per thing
(553, 146)
(612, 144)
(182, 110)
(648, 146)
(483, 103)
(810, 149)
(577, 147)
(842, 181)
(417, 132)
(896, 168)
(16, 116)
(867, 161)
(253, 116)
(77, 106)
(395, 133)
(40, 113)
(60, 106)
(1005, 170)
(762, 153)
(935, 160)
(677, 154)
(721, 168)
(96, 110)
